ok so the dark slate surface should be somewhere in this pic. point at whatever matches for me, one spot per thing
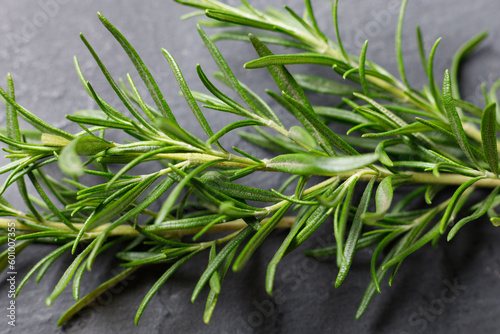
(38, 40)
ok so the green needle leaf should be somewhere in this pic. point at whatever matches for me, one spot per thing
(362, 76)
(225, 252)
(13, 131)
(399, 49)
(141, 69)
(174, 130)
(214, 294)
(323, 85)
(188, 96)
(228, 74)
(307, 164)
(174, 195)
(334, 8)
(50, 257)
(454, 118)
(321, 127)
(69, 160)
(238, 19)
(111, 209)
(66, 277)
(231, 127)
(259, 237)
(383, 200)
(489, 137)
(480, 211)
(32, 119)
(300, 135)
(421, 48)
(295, 59)
(381, 246)
(271, 268)
(352, 238)
(454, 202)
(429, 236)
(237, 35)
(430, 74)
(94, 294)
(461, 53)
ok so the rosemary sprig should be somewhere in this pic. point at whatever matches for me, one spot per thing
(427, 137)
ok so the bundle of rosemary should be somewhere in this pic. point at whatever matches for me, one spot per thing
(429, 141)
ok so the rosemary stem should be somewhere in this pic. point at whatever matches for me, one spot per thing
(429, 178)
(121, 230)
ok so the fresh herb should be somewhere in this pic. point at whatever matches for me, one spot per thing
(428, 138)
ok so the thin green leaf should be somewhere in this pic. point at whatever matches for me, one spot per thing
(66, 277)
(429, 236)
(362, 76)
(234, 107)
(399, 49)
(231, 127)
(480, 211)
(295, 59)
(354, 233)
(381, 246)
(218, 182)
(383, 200)
(174, 195)
(286, 83)
(323, 85)
(172, 129)
(188, 96)
(454, 202)
(489, 137)
(94, 294)
(112, 210)
(259, 237)
(469, 107)
(421, 48)
(271, 268)
(323, 130)
(13, 131)
(454, 118)
(461, 53)
(69, 160)
(363, 242)
(50, 257)
(143, 71)
(240, 20)
(49, 203)
(430, 74)
(307, 164)
(237, 35)
(412, 128)
(300, 135)
(221, 63)
(32, 119)
(225, 252)
(339, 114)
(213, 294)
(334, 8)
(371, 289)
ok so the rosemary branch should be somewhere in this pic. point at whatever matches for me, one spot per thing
(398, 136)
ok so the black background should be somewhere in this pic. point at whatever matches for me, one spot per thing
(38, 40)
